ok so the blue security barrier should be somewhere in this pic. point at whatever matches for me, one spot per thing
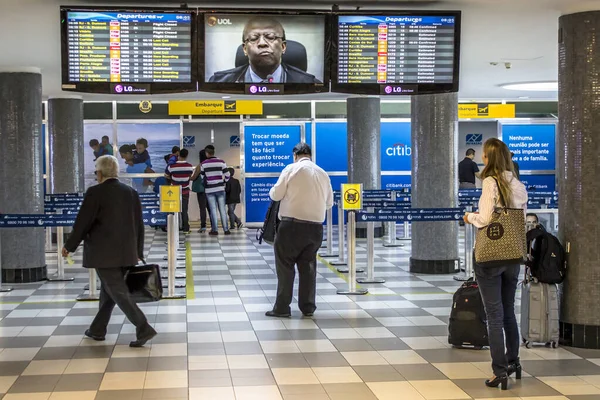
(467, 197)
(150, 217)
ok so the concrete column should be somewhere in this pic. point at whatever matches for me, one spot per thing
(434, 134)
(66, 147)
(579, 169)
(65, 136)
(364, 148)
(21, 173)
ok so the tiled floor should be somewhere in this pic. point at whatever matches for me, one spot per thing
(217, 344)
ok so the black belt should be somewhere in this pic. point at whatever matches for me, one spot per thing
(300, 221)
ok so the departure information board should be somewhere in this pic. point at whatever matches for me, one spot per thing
(396, 49)
(129, 47)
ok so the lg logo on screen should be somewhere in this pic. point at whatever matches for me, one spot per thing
(123, 89)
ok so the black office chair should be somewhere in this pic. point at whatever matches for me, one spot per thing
(295, 55)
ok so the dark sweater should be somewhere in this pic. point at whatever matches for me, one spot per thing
(233, 190)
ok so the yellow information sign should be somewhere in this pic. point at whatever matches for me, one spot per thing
(215, 107)
(352, 196)
(170, 199)
(489, 111)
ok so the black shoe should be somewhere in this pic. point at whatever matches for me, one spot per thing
(239, 225)
(308, 314)
(96, 338)
(277, 315)
(227, 233)
(515, 368)
(212, 233)
(140, 342)
(501, 381)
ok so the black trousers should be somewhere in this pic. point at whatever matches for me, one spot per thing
(497, 286)
(203, 205)
(297, 243)
(185, 219)
(113, 291)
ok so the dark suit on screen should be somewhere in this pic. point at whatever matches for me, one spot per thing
(238, 74)
(111, 226)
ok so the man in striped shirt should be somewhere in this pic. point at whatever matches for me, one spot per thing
(215, 173)
(180, 173)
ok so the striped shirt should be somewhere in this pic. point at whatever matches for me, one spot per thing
(180, 174)
(215, 171)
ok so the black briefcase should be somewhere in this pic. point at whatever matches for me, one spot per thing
(144, 283)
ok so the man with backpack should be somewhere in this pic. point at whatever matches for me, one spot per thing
(546, 258)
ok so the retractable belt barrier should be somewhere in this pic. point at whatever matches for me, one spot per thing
(64, 208)
(372, 215)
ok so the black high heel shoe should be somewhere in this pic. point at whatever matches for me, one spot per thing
(515, 368)
(501, 381)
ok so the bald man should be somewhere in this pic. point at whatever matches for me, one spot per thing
(263, 41)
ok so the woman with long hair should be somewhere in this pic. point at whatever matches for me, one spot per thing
(498, 284)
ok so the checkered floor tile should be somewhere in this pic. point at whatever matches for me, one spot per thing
(218, 344)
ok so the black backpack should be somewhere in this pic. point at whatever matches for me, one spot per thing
(269, 230)
(546, 256)
(468, 322)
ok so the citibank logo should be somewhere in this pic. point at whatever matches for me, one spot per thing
(398, 150)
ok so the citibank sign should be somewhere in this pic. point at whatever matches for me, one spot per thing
(398, 150)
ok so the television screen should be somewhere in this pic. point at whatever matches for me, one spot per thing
(128, 51)
(411, 53)
(284, 50)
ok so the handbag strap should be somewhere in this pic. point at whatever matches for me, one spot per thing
(502, 200)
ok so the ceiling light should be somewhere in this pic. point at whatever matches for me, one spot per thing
(550, 86)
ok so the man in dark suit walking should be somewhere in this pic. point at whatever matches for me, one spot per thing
(110, 222)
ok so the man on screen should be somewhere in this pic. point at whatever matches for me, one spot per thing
(264, 44)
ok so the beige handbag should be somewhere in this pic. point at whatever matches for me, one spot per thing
(503, 241)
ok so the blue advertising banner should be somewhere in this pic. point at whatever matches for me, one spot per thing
(332, 146)
(257, 198)
(534, 146)
(539, 183)
(395, 146)
(308, 134)
(336, 184)
(395, 182)
(269, 148)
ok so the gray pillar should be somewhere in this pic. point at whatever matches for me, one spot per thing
(66, 148)
(579, 169)
(21, 174)
(65, 136)
(364, 148)
(434, 133)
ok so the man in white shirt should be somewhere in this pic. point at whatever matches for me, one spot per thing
(305, 193)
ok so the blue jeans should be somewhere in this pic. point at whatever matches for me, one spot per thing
(497, 286)
(217, 201)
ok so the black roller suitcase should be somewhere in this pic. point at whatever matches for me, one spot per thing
(468, 322)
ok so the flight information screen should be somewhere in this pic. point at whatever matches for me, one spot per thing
(396, 49)
(129, 47)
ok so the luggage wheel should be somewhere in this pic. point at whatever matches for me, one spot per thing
(552, 344)
(527, 343)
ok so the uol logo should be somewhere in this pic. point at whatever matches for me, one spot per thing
(212, 21)
(399, 150)
(474, 138)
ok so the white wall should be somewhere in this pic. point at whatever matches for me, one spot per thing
(487, 129)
